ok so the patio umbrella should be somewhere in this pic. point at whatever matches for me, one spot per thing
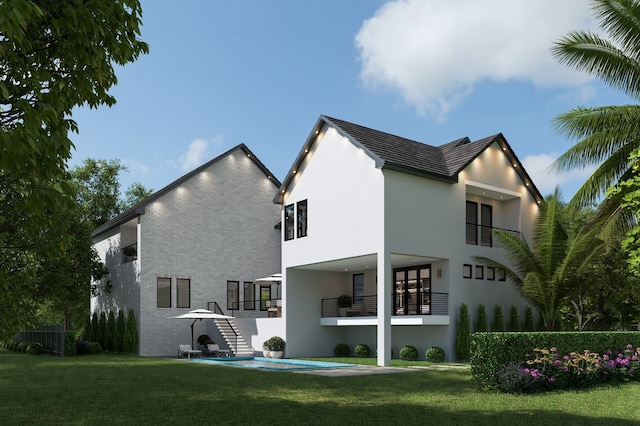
(199, 315)
(273, 278)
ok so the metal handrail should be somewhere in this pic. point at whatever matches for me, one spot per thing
(476, 234)
(435, 304)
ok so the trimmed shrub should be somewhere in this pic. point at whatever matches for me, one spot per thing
(94, 348)
(86, 332)
(21, 347)
(342, 350)
(362, 351)
(203, 339)
(435, 354)
(102, 329)
(70, 348)
(528, 323)
(131, 335)
(498, 319)
(35, 348)
(514, 319)
(82, 347)
(409, 353)
(491, 352)
(463, 333)
(481, 323)
(121, 327)
(110, 336)
(94, 328)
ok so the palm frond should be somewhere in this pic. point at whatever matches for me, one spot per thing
(621, 20)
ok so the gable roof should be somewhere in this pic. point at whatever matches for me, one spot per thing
(393, 152)
(139, 208)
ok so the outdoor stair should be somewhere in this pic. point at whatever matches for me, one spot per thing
(234, 337)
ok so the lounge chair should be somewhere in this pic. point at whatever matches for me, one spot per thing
(186, 350)
(214, 349)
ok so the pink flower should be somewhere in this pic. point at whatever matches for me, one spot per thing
(552, 379)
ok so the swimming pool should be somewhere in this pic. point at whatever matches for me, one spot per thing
(272, 364)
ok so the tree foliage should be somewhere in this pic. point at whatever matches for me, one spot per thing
(463, 334)
(481, 324)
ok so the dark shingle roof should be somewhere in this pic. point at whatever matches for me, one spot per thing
(393, 152)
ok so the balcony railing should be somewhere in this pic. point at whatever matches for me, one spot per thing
(365, 306)
(483, 235)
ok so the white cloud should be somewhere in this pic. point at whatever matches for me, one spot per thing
(194, 155)
(433, 52)
(546, 180)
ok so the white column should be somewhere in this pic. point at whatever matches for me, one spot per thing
(384, 309)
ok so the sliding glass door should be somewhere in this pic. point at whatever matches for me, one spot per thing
(412, 290)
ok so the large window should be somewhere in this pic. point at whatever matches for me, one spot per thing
(483, 226)
(233, 295)
(302, 218)
(183, 293)
(265, 297)
(289, 226)
(163, 292)
(486, 220)
(249, 296)
(472, 223)
(412, 290)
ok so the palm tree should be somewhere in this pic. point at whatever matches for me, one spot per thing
(544, 274)
(606, 135)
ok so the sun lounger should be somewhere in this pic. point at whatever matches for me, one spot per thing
(186, 350)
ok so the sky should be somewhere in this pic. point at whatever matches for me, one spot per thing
(224, 72)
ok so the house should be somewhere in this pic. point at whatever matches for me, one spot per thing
(393, 224)
(197, 243)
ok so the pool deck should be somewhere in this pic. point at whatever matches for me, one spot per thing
(356, 370)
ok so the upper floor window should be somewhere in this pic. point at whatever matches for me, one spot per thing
(233, 295)
(249, 296)
(163, 292)
(302, 218)
(479, 225)
(183, 293)
(289, 219)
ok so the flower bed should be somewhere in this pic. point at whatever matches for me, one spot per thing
(550, 370)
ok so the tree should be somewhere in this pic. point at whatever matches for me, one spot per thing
(528, 323)
(545, 273)
(463, 334)
(121, 328)
(134, 194)
(607, 135)
(514, 319)
(110, 334)
(497, 324)
(131, 335)
(481, 323)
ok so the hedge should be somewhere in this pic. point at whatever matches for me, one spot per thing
(490, 352)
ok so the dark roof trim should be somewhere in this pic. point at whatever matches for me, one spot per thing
(448, 160)
(139, 208)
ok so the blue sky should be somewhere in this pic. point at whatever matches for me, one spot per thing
(225, 72)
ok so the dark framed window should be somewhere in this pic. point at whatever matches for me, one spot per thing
(479, 272)
(265, 297)
(501, 275)
(289, 222)
(183, 293)
(163, 292)
(249, 296)
(491, 273)
(302, 218)
(466, 271)
(472, 223)
(233, 296)
(486, 225)
(358, 289)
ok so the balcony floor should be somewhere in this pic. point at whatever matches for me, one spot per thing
(395, 320)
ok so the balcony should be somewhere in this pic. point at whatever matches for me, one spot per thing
(483, 235)
(433, 309)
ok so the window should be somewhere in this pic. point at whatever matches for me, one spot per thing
(265, 296)
(472, 223)
(486, 220)
(358, 289)
(501, 275)
(249, 296)
(183, 293)
(412, 290)
(302, 218)
(466, 271)
(163, 293)
(491, 273)
(233, 296)
(288, 222)
(479, 272)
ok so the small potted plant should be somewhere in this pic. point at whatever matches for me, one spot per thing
(344, 304)
(266, 348)
(276, 346)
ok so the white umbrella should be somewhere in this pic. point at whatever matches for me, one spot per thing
(199, 314)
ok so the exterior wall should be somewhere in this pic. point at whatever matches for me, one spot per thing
(344, 193)
(219, 225)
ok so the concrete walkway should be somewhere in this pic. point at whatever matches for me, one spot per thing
(362, 370)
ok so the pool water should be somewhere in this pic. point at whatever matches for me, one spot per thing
(272, 363)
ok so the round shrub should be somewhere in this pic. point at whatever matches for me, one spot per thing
(94, 348)
(435, 354)
(203, 338)
(82, 347)
(35, 348)
(409, 353)
(22, 347)
(342, 350)
(362, 351)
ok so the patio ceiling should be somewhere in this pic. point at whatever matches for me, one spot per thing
(363, 263)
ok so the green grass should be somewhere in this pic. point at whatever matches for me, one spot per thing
(112, 389)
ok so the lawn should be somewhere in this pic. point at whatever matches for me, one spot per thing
(113, 389)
